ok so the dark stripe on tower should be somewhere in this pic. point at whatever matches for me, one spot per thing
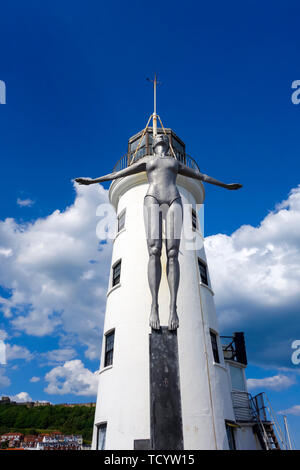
(165, 399)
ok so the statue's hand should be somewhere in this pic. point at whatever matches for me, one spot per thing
(234, 186)
(83, 181)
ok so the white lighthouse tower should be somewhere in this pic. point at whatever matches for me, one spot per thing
(123, 414)
(167, 390)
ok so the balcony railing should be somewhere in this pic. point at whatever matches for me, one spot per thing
(242, 406)
(258, 410)
(249, 408)
(125, 160)
(234, 348)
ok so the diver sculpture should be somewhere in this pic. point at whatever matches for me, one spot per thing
(162, 171)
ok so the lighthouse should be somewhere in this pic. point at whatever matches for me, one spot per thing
(202, 395)
(164, 385)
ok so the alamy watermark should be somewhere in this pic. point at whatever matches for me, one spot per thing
(160, 221)
(2, 92)
(296, 94)
(296, 353)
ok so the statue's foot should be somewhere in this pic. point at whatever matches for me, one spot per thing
(154, 318)
(173, 320)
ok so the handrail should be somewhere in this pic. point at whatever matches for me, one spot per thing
(266, 406)
(125, 160)
(260, 411)
(276, 423)
(256, 415)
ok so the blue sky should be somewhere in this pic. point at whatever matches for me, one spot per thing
(75, 74)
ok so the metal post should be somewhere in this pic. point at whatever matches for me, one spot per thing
(287, 432)
(154, 113)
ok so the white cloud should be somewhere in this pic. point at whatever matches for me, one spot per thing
(6, 252)
(277, 382)
(59, 355)
(255, 274)
(18, 352)
(4, 381)
(72, 378)
(294, 410)
(21, 397)
(3, 335)
(25, 202)
(34, 379)
(58, 272)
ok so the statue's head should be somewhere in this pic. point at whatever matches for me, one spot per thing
(161, 140)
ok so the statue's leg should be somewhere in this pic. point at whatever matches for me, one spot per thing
(153, 226)
(173, 234)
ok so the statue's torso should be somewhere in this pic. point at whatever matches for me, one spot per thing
(162, 173)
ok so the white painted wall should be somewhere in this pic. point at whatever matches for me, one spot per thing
(245, 439)
(123, 395)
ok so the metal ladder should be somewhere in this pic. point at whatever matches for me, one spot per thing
(269, 431)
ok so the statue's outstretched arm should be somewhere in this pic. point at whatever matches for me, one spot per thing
(137, 167)
(184, 170)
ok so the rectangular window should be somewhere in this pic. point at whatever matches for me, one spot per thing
(101, 436)
(116, 273)
(237, 378)
(109, 348)
(230, 436)
(142, 148)
(121, 220)
(194, 220)
(203, 272)
(214, 345)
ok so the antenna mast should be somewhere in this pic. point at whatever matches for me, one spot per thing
(154, 115)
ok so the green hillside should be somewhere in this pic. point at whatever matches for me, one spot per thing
(19, 418)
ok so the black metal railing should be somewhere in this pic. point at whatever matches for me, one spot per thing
(258, 407)
(128, 159)
(234, 348)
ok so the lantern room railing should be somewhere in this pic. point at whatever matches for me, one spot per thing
(125, 160)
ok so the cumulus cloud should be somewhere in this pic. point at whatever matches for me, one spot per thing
(25, 202)
(34, 379)
(59, 355)
(6, 252)
(57, 272)
(18, 352)
(73, 378)
(277, 382)
(255, 274)
(294, 410)
(3, 335)
(4, 380)
(21, 397)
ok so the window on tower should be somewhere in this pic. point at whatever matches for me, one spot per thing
(179, 150)
(138, 148)
(230, 436)
(116, 275)
(109, 348)
(194, 220)
(237, 378)
(203, 271)
(101, 436)
(214, 345)
(121, 220)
